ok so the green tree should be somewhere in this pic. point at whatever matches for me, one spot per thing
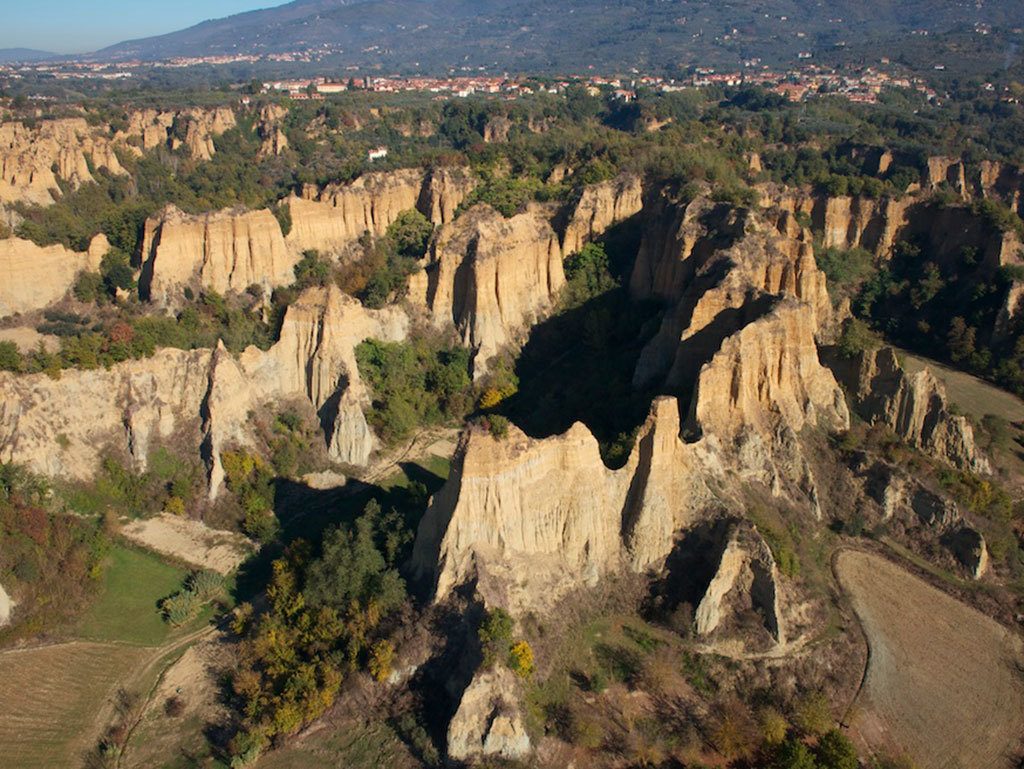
(410, 233)
(495, 635)
(835, 751)
(10, 357)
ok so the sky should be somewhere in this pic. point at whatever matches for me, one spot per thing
(79, 26)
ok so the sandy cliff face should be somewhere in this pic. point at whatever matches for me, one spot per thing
(914, 406)
(36, 276)
(719, 269)
(552, 508)
(491, 277)
(529, 518)
(226, 251)
(202, 397)
(193, 128)
(315, 356)
(32, 160)
(332, 218)
(601, 206)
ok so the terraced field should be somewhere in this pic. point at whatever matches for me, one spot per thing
(944, 682)
(49, 698)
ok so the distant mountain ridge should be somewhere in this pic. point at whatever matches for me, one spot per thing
(8, 55)
(562, 35)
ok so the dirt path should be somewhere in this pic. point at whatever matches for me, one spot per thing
(943, 682)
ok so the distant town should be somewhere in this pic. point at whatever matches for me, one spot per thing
(803, 81)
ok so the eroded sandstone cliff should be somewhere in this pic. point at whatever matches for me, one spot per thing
(34, 161)
(225, 251)
(36, 276)
(914, 406)
(200, 397)
(491, 277)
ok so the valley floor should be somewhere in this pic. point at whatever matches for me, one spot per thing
(943, 681)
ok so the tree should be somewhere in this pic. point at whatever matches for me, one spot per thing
(410, 233)
(835, 751)
(495, 635)
(382, 656)
(10, 357)
(793, 754)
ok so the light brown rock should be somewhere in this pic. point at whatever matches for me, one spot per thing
(489, 721)
(33, 277)
(914, 406)
(224, 251)
(601, 206)
(491, 277)
(33, 160)
(199, 397)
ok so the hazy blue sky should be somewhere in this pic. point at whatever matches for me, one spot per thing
(77, 26)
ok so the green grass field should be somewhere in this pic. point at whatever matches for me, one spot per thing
(126, 610)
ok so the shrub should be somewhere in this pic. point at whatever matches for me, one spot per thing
(521, 659)
(10, 357)
(174, 707)
(495, 635)
(813, 715)
(88, 286)
(857, 337)
(382, 656)
(175, 506)
(498, 426)
(835, 751)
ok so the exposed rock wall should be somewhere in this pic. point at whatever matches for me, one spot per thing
(315, 356)
(766, 372)
(601, 206)
(746, 579)
(32, 277)
(204, 396)
(225, 251)
(33, 160)
(192, 128)
(529, 518)
(553, 509)
(338, 215)
(721, 269)
(489, 720)
(491, 277)
(914, 406)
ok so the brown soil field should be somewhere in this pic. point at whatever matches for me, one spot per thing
(944, 682)
(49, 699)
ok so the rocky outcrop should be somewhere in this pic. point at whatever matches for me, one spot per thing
(315, 356)
(37, 276)
(34, 161)
(529, 518)
(489, 721)
(490, 277)
(767, 373)
(914, 406)
(446, 189)
(199, 397)
(193, 128)
(601, 206)
(273, 140)
(224, 251)
(721, 269)
(333, 218)
(6, 607)
(497, 129)
(746, 580)
(537, 517)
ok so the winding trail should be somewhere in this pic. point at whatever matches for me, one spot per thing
(944, 682)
